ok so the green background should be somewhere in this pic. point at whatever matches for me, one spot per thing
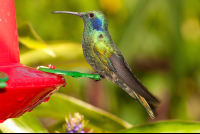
(159, 39)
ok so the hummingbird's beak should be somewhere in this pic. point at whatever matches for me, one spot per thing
(68, 12)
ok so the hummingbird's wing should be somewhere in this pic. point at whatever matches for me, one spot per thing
(116, 63)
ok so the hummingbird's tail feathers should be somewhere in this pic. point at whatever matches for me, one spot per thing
(150, 107)
(153, 106)
(126, 75)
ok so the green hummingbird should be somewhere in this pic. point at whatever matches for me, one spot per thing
(103, 56)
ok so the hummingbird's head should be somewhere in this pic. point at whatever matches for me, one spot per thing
(93, 20)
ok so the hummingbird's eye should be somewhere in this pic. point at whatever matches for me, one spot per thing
(91, 15)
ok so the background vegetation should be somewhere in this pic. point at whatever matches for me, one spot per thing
(159, 39)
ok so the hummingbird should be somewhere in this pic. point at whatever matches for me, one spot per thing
(105, 58)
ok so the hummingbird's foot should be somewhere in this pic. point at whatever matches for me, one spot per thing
(99, 75)
(97, 80)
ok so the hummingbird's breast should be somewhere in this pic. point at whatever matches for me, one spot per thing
(88, 42)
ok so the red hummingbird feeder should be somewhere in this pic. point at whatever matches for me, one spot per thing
(25, 87)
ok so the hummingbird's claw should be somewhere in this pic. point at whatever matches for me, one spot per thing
(97, 80)
(101, 76)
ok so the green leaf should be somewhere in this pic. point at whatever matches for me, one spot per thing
(61, 105)
(67, 55)
(24, 124)
(28, 37)
(175, 126)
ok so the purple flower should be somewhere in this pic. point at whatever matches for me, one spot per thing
(75, 124)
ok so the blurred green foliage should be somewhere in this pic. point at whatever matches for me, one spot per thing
(24, 124)
(159, 39)
(99, 120)
(176, 126)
